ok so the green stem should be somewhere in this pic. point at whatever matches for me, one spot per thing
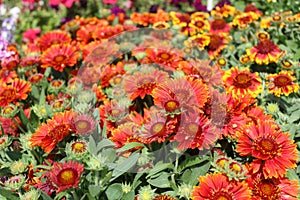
(18, 125)
(75, 196)
(96, 177)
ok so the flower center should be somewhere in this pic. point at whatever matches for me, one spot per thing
(157, 128)
(215, 42)
(267, 146)
(8, 110)
(281, 81)
(59, 58)
(58, 104)
(59, 132)
(56, 83)
(218, 24)
(221, 162)
(82, 124)
(236, 167)
(165, 56)
(35, 78)
(222, 196)
(171, 105)
(199, 24)
(67, 176)
(78, 147)
(265, 46)
(192, 128)
(268, 190)
(145, 81)
(242, 80)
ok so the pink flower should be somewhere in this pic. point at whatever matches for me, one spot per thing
(67, 3)
(31, 34)
(110, 1)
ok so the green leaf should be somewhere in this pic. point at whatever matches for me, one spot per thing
(114, 191)
(199, 171)
(105, 143)
(160, 166)
(124, 166)
(94, 190)
(295, 116)
(128, 196)
(8, 194)
(23, 118)
(162, 181)
(129, 146)
(45, 196)
(91, 147)
(189, 162)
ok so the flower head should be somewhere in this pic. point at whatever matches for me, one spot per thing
(274, 151)
(54, 131)
(60, 56)
(265, 52)
(217, 186)
(242, 82)
(66, 175)
(282, 83)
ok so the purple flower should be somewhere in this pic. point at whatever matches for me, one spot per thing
(115, 10)
(3, 48)
(199, 6)
(222, 3)
(176, 2)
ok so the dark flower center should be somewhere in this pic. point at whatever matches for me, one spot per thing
(242, 80)
(281, 81)
(215, 42)
(265, 46)
(218, 24)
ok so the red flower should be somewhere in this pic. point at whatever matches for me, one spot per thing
(195, 131)
(141, 84)
(265, 52)
(60, 56)
(217, 186)
(273, 149)
(65, 175)
(273, 188)
(53, 37)
(54, 131)
(181, 94)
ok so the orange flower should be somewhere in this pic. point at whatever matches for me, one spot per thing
(140, 84)
(224, 11)
(16, 90)
(53, 37)
(60, 56)
(217, 186)
(244, 19)
(198, 25)
(163, 56)
(242, 82)
(10, 62)
(158, 128)
(216, 44)
(181, 94)
(264, 52)
(200, 41)
(272, 188)
(84, 124)
(219, 26)
(282, 83)
(195, 131)
(49, 134)
(125, 133)
(273, 150)
(164, 197)
(65, 175)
